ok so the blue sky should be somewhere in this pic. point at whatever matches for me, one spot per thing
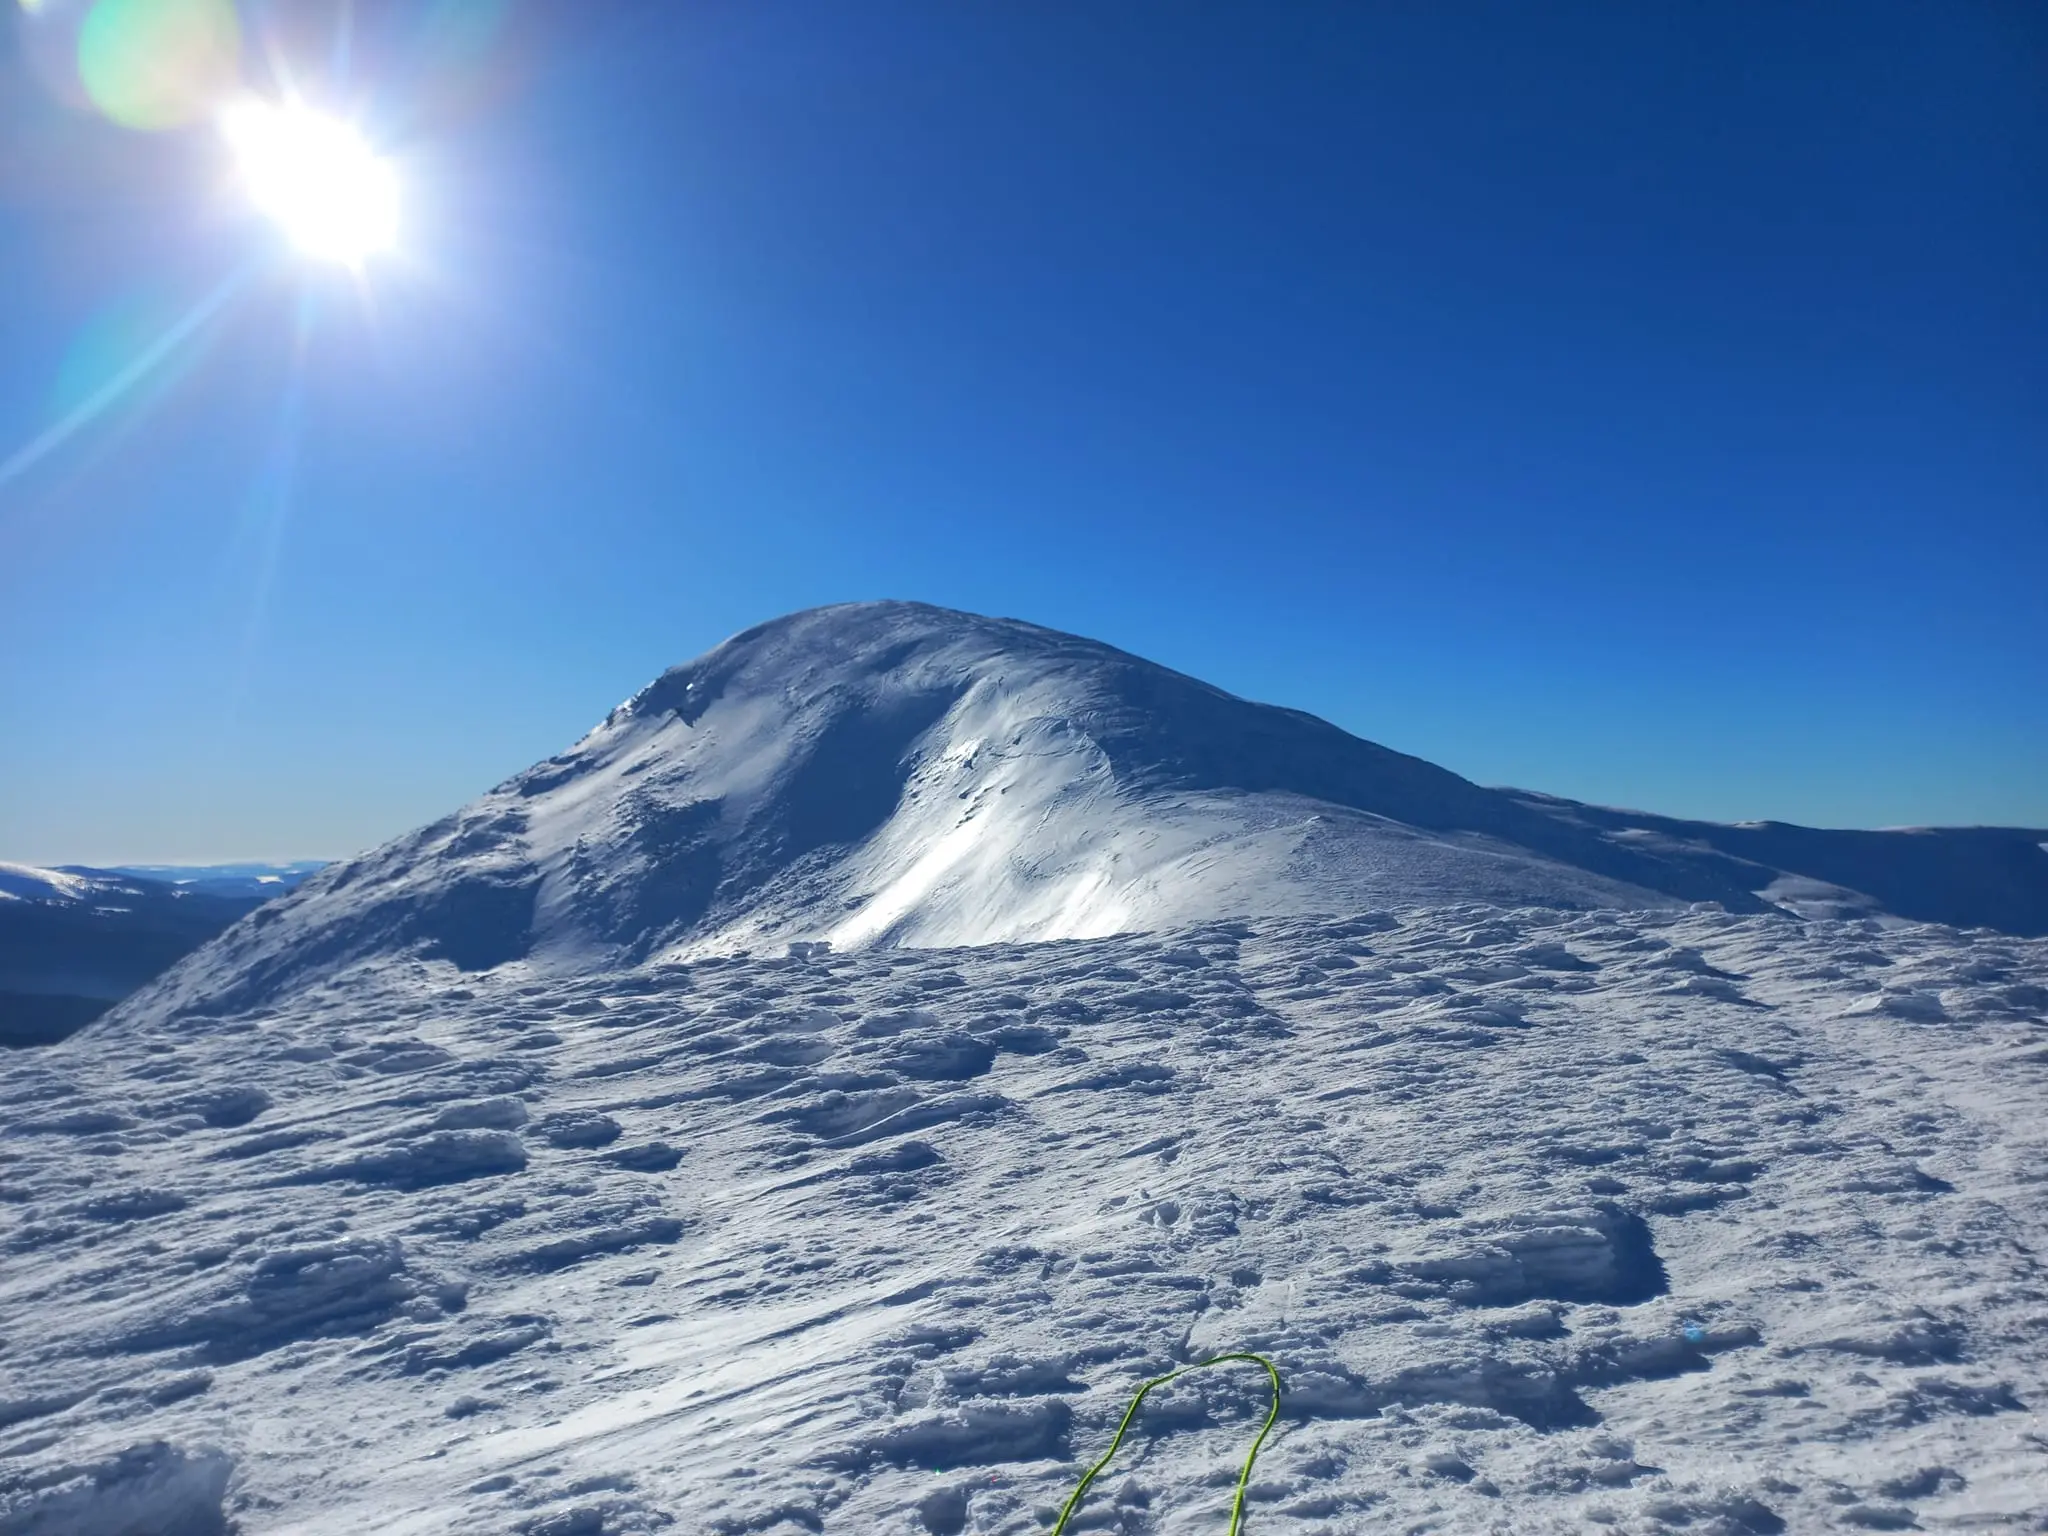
(1647, 404)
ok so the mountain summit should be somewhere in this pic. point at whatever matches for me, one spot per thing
(897, 774)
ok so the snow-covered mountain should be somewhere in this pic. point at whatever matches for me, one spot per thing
(484, 1187)
(896, 774)
(28, 882)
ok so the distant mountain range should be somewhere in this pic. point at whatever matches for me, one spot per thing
(75, 940)
(897, 774)
(264, 880)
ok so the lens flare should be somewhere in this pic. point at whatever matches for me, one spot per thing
(316, 177)
(158, 63)
(121, 385)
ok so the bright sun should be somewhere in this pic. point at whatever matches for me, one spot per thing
(317, 178)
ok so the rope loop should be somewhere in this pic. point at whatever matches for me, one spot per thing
(1243, 1478)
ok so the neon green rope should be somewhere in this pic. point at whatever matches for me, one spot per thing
(1243, 1478)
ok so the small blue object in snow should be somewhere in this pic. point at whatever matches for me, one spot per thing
(1694, 1333)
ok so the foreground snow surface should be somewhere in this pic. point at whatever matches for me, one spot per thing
(1553, 1222)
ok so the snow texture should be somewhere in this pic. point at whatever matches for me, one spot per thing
(818, 1099)
(1641, 1222)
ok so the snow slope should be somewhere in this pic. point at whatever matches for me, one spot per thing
(895, 774)
(1666, 1223)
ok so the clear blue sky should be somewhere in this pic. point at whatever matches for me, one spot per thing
(1644, 403)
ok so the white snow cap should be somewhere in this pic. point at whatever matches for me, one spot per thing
(25, 882)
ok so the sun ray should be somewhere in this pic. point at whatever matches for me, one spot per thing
(271, 500)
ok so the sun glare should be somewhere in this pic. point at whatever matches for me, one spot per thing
(317, 178)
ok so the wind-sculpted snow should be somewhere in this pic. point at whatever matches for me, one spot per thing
(893, 774)
(1653, 1222)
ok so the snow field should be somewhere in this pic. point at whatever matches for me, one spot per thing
(1639, 1222)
